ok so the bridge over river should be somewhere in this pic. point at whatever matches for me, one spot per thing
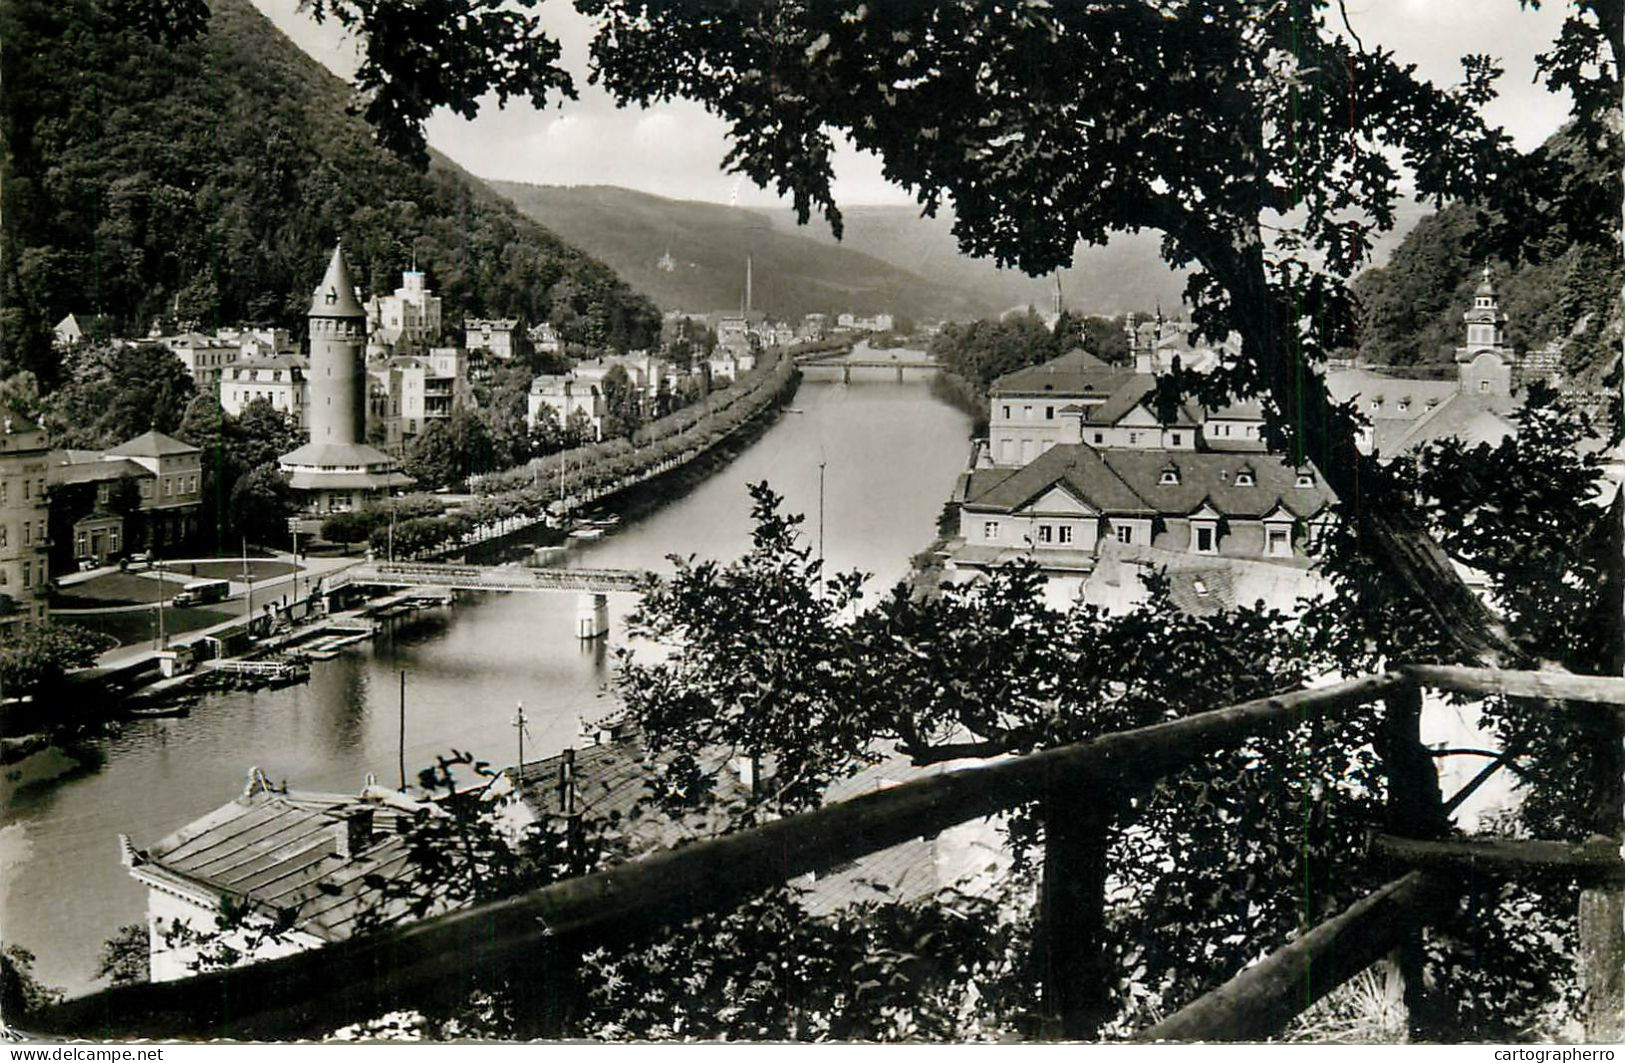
(592, 584)
(869, 358)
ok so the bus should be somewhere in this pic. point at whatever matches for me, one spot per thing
(201, 592)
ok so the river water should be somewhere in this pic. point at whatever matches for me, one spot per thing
(891, 452)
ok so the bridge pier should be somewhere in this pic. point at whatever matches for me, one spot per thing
(592, 615)
(846, 374)
(899, 374)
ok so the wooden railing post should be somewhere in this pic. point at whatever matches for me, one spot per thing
(1415, 810)
(1075, 967)
(1602, 908)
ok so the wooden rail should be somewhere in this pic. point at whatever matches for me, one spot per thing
(312, 993)
(491, 578)
(309, 994)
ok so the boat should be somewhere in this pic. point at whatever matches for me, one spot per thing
(161, 712)
(587, 531)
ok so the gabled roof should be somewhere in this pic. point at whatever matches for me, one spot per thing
(152, 444)
(281, 850)
(1079, 468)
(1076, 373)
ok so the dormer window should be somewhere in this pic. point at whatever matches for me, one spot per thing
(1305, 479)
(1169, 475)
(1376, 404)
(1245, 477)
(1404, 404)
(1199, 587)
(330, 296)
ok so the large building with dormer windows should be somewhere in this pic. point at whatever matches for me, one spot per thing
(24, 568)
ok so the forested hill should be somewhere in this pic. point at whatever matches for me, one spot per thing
(1411, 308)
(708, 243)
(211, 179)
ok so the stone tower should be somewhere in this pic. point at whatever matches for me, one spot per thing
(336, 470)
(338, 373)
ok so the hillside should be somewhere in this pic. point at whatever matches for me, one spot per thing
(794, 274)
(1566, 288)
(1126, 275)
(210, 180)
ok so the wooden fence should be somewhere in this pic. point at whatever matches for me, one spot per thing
(312, 993)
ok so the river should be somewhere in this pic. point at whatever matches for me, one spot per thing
(891, 452)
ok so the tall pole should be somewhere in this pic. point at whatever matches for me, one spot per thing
(163, 641)
(248, 600)
(401, 731)
(295, 565)
(821, 520)
(519, 725)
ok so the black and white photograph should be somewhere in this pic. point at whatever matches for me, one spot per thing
(811, 522)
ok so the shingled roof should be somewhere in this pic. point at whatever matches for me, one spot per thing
(1075, 373)
(291, 851)
(1132, 483)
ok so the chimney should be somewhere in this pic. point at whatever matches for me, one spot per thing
(353, 833)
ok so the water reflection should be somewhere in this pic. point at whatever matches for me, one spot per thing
(891, 454)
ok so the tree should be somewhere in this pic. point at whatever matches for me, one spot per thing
(623, 405)
(126, 956)
(261, 503)
(36, 660)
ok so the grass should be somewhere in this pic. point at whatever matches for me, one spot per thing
(228, 569)
(115, 588)
(141, 628)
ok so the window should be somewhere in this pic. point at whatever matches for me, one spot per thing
(1046, 533)
(1404, 404)
(1200, 587)
(1169, 475)
(1277, 542)
(3, 485)
(1176, 437)
(27, 575)
(990, 530)
(1064, 533)
(169, 487)
(28, 533)
(112, 540)
(1245, 478)
(1125, 533)
(1049, 413)
(25, 489)
(1483, 385)
(1305, 479)
(1134, 439)
(1204, 538)
(1100, 438)
(1027, 413)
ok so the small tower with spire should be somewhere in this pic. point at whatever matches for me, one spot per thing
(1485, 362)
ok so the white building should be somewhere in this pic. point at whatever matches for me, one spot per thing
(566, 394)
(282, 380)
(406, 322)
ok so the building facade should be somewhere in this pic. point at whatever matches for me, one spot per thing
(25, 577)
(566, 395)
(280, 380)
(408, 321)
(503, 337)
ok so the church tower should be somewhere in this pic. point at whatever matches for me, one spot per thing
(1485, 361)
(336, 470)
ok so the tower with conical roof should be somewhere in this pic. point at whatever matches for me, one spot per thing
(336, 470)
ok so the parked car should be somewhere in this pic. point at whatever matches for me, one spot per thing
(136, 562)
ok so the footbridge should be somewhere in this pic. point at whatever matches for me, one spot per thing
(592, 584)
(913, 360)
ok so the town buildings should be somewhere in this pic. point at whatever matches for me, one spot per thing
(566, 395)
(502, 337)
(205, 357)
(280, 379)
(144, 494)
(336, 470)
(24, 534)
(407, 322)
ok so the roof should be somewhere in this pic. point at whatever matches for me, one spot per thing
(94, 470)
(1078, 467)
(282, 850)
(1130, 482)
(335, 295)
(1075, 373)
(153, 444)
(322, 455)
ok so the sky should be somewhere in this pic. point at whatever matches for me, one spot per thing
(676, 149)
